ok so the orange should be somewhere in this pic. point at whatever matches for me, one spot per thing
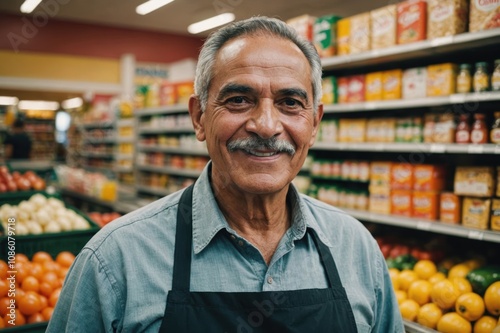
(496, 329)
(4, 287)
(22, 272)
(485, 324)
(51, 266)
(439, 276)
(54, 297)
(36, 318)
(47, 312)
(405, 279)
(3, 269)
(44, 301)
(65, 258)
(462, 284)
(4, 303)
(30, 283)
(451, 322)
(41, 257)
(19, 319)
(29, 303)
(46, 289)
(444, 294)
(401, 296)
(425, 269)
(19, 257)
(52, 279)
(19, 294)
(36, 270)
(420, 291)
(394, 273)
(492, 299)
(409, 309)
(459, 270)
(470, 306)
(429, 315)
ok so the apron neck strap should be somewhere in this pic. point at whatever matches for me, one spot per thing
(327, 260)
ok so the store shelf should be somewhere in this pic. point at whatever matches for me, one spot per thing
(172, 150)
(125, 122)
(415, 50)
(450, 148)
(122, 156)
(123, 169)
(105, 169)
(160, 130)
(98, 124)
(426, 225)
(125, 139)
(411, 327)
(339, 179)
(153, 190)
(412, 103)
(84, 197)
(99, 140)
(161, 110)
(169, 170)
(97, 155)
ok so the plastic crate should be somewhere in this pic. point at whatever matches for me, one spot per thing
(53, 243)
(28, 328)
(13, 198)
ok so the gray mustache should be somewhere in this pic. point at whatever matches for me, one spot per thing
(257, 143)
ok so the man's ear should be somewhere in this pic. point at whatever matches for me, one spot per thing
(317, 120)
(197, 117)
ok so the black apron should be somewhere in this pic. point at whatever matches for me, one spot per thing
(307, 310)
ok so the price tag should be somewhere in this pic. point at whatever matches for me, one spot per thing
(474, 234)
(437, 148)
(457, 99)
(422, 225)
(475, 149)
(370, 106)
(379, 147)
(442, 41)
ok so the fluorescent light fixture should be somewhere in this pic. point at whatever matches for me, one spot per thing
(72, 103)
(29, 5)
(211, 23)
(150, 6)
(38, 105)
(8, 100)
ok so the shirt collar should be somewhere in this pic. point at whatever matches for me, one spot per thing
(208, 219)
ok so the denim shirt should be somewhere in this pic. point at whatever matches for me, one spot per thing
(120, 280)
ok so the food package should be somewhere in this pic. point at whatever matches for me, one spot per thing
(425, 205)
(495, 215)
(325, 39)
(476, 213)
(383, 27)
(184, 91)
(373, 89)
(380, 200)
(415, 83)
(402, 176)
(391, 84)
(401, 202)
(446, 17)
(498, 181)
(474, 181)
(303, 25)
(359, 33)
(428, 177)
(343, 89)
(329, 130)
(380, 130)
(352, 130)
(329, 85)
(450, 208)
(343, 36)
(356, 91)
(168, 94)
(441, 79)
(484, 14)
(412, 21)
(444, 128)
(380, 174)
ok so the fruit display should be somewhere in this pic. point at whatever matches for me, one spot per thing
(101, 219)
(40, 214)
(16, 181)
(37, 286)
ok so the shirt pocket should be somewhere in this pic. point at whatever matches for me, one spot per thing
(363, 328)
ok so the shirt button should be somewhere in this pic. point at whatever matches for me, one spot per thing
(240, 243)
(270, 280)
(233, 237)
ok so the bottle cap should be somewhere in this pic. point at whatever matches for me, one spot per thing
(467, 66)
(482, 64)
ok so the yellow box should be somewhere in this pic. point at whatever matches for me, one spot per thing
(352, 130)
(373, 90)
(380, 200)
(380, 174)
(383, 27)
(476, 213)
(495, 215)
(343, 36)
(391, 84)
(441, 79)
(360, 33)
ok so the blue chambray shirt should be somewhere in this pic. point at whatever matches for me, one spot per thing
(120, 280)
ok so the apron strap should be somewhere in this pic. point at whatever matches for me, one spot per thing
(183, 242)
(328, 262)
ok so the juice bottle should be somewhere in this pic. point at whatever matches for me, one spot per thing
(495, 130)
(464, 79)
(481, 77)
(463, 133)
(479, 132)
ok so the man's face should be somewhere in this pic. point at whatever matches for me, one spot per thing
(261, 88)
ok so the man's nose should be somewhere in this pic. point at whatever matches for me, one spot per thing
(265, 120)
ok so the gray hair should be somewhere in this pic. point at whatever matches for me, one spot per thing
(253, 26)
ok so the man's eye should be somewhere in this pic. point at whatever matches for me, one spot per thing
(292, 102)
(236, 100)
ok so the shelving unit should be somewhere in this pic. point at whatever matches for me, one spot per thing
(98, 147)
(42, 134)
(124, 156)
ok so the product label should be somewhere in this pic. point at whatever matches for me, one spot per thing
(408, 18)
(495, 135)
(448, 205)
(487, 5)
(462, 136)
(477, 136)
(382, 25)
(495, 83)
(441, 13)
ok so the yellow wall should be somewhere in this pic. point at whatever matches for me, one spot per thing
(59, 67)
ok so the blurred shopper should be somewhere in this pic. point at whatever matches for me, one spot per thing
(18, 143)
(241, 250)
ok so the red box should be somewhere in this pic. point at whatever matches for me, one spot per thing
(357, 87)
(412, 21)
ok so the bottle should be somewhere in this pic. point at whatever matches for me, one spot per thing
(495, 77)
(495, 129)
(481, 78)
(464, 79)
(463, 133)
(479, 133)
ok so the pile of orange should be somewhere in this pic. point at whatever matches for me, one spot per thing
(37, 287)
(446, 303)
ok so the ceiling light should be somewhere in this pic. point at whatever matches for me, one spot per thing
(8, 100)
(150, 6)
(72, 103)
(211, 23)
(29, 5)
(38, 105)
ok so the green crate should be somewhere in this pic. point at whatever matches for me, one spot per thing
(13, 198)
(53, 243)
(28, 328)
